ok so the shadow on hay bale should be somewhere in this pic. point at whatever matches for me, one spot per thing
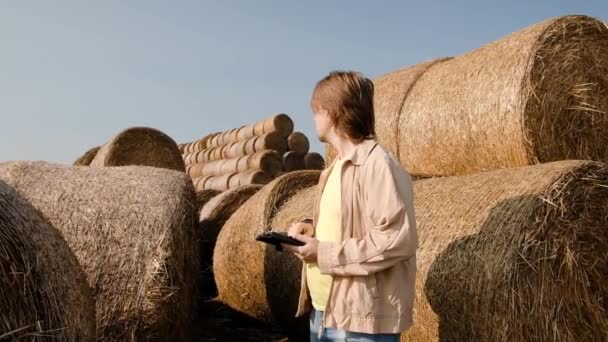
(140, 146)
(44, 295)
(212, 217)
(252, 277)
(283, 276)
(132, 231)
(513, 255)
(204, 196)
(535, 96)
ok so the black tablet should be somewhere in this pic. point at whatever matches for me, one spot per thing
(277, 238)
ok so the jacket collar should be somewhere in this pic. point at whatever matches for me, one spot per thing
(359, 154)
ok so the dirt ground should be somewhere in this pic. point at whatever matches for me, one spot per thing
(220, 323)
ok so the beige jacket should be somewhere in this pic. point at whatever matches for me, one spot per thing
(374, 265)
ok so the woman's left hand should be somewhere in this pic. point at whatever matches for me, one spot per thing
(307, 252)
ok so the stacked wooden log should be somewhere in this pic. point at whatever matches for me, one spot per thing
(251, 154)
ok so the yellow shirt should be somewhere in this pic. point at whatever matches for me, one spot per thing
(328, 228)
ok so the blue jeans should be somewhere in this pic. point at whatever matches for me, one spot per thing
(330, 334)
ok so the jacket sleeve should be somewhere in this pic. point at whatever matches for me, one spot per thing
(390, 239)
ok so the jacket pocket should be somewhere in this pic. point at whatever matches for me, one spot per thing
(372, 286)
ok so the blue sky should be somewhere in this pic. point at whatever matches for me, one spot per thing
(73, 73)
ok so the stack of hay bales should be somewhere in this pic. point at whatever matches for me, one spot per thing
(512, 241)
(132, 230)
(135, 146)
(251, 154)
(253, 277)
(503, 255)
(44, 294)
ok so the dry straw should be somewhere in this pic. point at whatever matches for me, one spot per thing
(204, 196)
(87, 157)
(140, 146)
(535, 96)
(513, 254)
(44, 293)
(132, 230)
(504, 255)
(212, 217)
(252, 277)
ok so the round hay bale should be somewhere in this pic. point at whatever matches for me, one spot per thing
(535, 96)
(298, 142)
(245, 132)
(44, 293)
(268, 161)
(252, 277)
(231, 165)
(236, 149)
(87, 157)
(510, 254)
(199, 157)
(132, 230)
(293, 161)
(200, 144)
(212, 217)
(186, 148)
(214, 140)
(314, 161)
(189, 170)
(200, 182)
(189, 158)
(204, 196)
(249, 146)
(140, 146)
(218, 182)
(234, 135)
(270, 141)
(249, 177)
(195, 171)
(206, 155)
(280, 123)
(217, 153)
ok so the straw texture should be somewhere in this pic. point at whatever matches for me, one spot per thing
(506, 255)
(212, 217)
(535, 96)
(140, 146)
(44, 295)
(513, 255)
(204, 196)
(132, 230)
(252, 277)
